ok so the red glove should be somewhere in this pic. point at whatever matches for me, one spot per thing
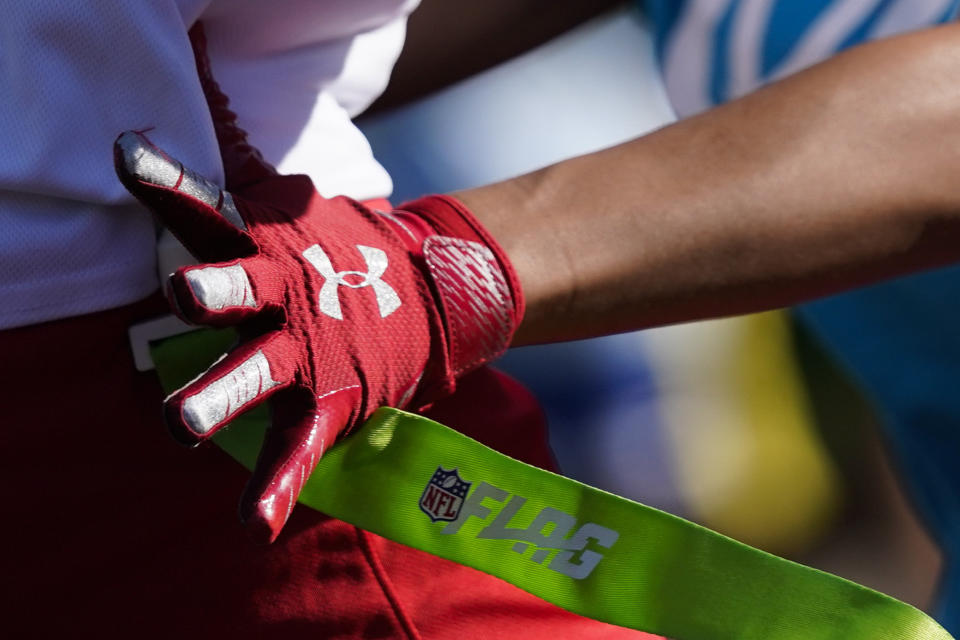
(340, 309)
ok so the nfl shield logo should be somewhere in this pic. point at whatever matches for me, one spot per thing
(444, 495)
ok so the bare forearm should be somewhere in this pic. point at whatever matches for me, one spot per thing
(842, 175)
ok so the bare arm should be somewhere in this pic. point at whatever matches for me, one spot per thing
(842, 175)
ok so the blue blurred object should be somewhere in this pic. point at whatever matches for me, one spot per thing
(902, 342)
(711, 51)
(901, 339)
(600, 397)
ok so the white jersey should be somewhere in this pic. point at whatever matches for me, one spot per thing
(76, 74)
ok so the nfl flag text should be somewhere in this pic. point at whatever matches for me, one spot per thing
(549, 533)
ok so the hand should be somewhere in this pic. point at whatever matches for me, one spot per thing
(340, 309)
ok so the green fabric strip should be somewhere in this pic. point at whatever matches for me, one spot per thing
(421, 484)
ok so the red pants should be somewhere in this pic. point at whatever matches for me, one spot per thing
(110, 527)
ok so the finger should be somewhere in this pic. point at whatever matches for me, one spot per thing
(227, 293)
(303, 428)
(242, 163)
(243, 378)
(203, 216)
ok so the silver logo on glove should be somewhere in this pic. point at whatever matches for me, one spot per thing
(329, 299)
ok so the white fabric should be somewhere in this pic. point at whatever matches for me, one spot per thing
(76, 74)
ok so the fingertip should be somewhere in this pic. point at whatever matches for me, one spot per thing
(170, 287)
(137, 160)
(217, 288)
(264, 516)
(239, 380)
(173, 419)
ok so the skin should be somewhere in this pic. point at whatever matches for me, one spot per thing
(842, 175)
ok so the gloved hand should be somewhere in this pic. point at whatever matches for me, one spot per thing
(340, 309)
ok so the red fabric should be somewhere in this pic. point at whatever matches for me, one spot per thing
(476, 287)
(114, 530)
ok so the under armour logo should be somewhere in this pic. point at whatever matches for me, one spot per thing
(387, 299)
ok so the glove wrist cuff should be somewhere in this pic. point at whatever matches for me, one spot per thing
(478, 291)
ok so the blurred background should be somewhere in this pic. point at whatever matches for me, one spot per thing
(826, 433)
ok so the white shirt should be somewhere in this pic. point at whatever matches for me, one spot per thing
(73, 75)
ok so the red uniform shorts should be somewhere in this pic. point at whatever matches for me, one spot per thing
(111, 528)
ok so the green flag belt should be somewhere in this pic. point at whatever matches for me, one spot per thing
(424, 485)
